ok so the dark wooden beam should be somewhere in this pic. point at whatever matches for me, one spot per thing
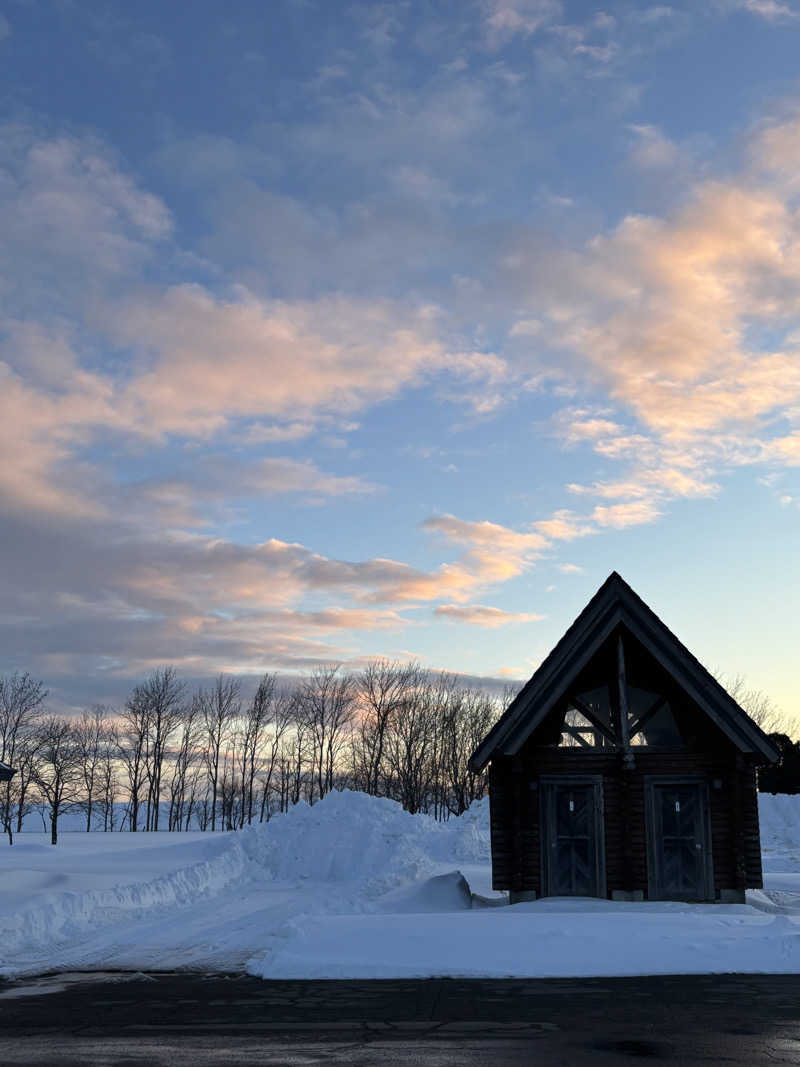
(627, 764)
(587, 713)
(646, 716)
(622, 692)
(575, 731)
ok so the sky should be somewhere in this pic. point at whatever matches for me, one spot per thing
(333, 330)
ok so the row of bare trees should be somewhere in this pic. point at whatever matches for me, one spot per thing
(211, 759)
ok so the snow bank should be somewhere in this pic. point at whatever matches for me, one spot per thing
(342, 854)
(51, 918)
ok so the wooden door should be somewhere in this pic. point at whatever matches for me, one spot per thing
(572, 838)
(679, 842)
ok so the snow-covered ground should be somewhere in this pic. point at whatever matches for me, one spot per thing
(356, 887)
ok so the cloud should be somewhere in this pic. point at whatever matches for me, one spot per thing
(579, 425)
(495, 553)
(630, 513)
(688, 323)
(771, 10)
(312, 361)
(775, 150)
(505, 19)
(41, 428)
(77, 234)
(480, 615)
(564, 525)
(487, 535)
(259, 433)
(111, 597)
(512, 672)
(121, 573)
(70, 217)
(332, 355)
(215, 481)
(652, 150)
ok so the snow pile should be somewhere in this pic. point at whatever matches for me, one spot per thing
(370, 841)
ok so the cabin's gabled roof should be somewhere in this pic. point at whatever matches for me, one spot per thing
(615, 604)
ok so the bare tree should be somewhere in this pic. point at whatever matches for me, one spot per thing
(107, 777)
(163, 695)
(326, 702)
(282, 716)
(411, 747)
(256, 717)
(131, 739)
(184, 767)
(230, 788)
(194, 786)
(57, 768)
(760, 707)
(381, 690)
(293, 759)
(465, 719)
(24, 757)
(219, 706)
(21, 699)
(91, 731)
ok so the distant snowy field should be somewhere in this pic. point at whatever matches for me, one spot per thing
(357, 888)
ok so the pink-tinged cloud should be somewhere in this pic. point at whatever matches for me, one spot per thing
(482, 615)
(487, 535)
(631, 513)
(211, 359)
(564, 525)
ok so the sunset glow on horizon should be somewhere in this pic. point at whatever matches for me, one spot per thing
(333, 330)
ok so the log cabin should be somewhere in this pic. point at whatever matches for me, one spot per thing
(623, 769)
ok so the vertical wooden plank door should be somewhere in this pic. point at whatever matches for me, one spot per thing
(678, 842)
(572, 839)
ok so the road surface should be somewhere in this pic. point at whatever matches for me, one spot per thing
(190, 1020)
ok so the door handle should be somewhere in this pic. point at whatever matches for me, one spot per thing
(698, 846)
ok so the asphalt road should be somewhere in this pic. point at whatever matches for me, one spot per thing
(190, 1019)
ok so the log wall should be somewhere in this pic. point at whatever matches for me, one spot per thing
(515, 817)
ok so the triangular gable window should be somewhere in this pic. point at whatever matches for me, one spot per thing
(591, 719)
(588, 721)
(650, 719)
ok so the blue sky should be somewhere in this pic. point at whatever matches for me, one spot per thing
(333, 330)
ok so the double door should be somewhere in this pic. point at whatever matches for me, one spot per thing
(678, 838)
